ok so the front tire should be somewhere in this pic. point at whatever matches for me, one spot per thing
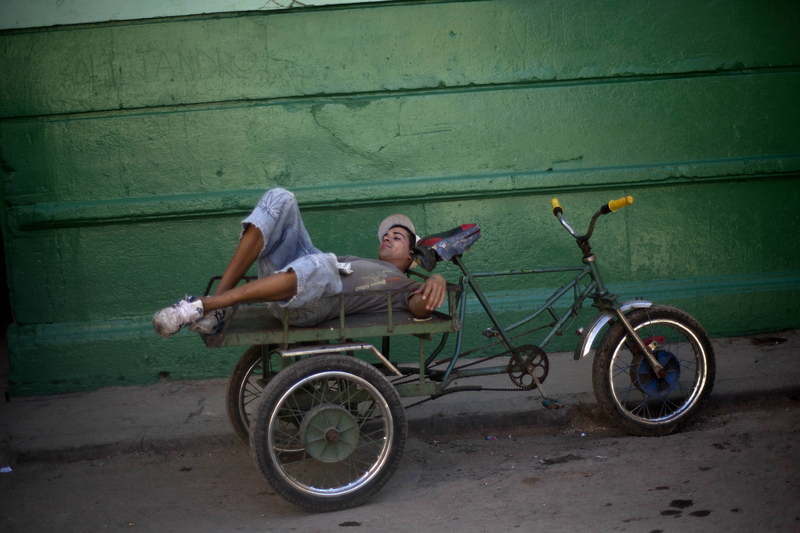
(628, 390)
(329, 432)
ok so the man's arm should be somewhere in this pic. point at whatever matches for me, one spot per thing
(428, 297)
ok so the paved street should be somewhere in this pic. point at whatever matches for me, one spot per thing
(734, 471)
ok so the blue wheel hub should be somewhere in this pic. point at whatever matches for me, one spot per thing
(646, 380)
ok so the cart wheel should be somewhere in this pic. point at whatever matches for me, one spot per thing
(245, 385)
(328, 433)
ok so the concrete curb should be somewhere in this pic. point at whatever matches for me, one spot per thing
(420, 427)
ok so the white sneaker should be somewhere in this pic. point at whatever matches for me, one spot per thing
(211, 323)
(171, 320)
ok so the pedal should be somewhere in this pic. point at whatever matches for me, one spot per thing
(552, 404)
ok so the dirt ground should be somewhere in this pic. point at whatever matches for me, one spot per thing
(736, 471)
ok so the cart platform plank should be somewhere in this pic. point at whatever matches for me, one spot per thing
(255, 324)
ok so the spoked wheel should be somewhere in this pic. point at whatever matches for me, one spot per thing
(630, 392)
(244, 389)
(329, 432)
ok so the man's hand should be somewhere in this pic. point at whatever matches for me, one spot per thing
(428, 297)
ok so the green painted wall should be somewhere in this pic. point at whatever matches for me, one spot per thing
(130, 151)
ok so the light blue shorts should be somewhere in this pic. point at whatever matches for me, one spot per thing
(287, 246)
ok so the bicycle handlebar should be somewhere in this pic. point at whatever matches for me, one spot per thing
(613, 205)
(610, 207)
(556, 206)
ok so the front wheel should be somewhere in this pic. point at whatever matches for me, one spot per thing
(328, 433)
(629, 391)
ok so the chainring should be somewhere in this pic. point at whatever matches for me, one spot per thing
(533, 361)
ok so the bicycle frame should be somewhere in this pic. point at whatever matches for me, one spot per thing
(594, 289)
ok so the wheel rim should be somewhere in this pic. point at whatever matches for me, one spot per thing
(250, 392)
(642, 397)
(330, 434)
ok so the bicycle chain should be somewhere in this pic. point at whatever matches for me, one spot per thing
(519, 388)
(515, 389)
(477, 361)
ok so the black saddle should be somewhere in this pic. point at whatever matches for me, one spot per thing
(444, 246)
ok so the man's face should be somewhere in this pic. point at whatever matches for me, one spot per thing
(395, 245)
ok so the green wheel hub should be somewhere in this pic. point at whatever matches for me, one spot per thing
(329, 432)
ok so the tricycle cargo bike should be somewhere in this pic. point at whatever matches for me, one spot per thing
(327, 429)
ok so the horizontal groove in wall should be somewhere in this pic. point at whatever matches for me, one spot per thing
(311, 99)
(226, 203)
(271, 11)
(657, 291)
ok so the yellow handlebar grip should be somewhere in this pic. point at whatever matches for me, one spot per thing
(622, 202)
(555, 205)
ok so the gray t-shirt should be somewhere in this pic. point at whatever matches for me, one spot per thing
(376, 277)
(366, 289)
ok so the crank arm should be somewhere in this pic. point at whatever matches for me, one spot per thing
(549, 403)
(538, 386)
(648, 354)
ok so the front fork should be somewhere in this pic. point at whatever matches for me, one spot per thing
(589, 260)
(646, 350)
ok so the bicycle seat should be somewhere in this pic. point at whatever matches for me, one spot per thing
(444, 246)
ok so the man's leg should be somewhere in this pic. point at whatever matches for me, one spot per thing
(274, 235)
(280, 286)
(170, 320)
(250, 246)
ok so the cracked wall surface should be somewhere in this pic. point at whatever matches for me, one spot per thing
(130, 151)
